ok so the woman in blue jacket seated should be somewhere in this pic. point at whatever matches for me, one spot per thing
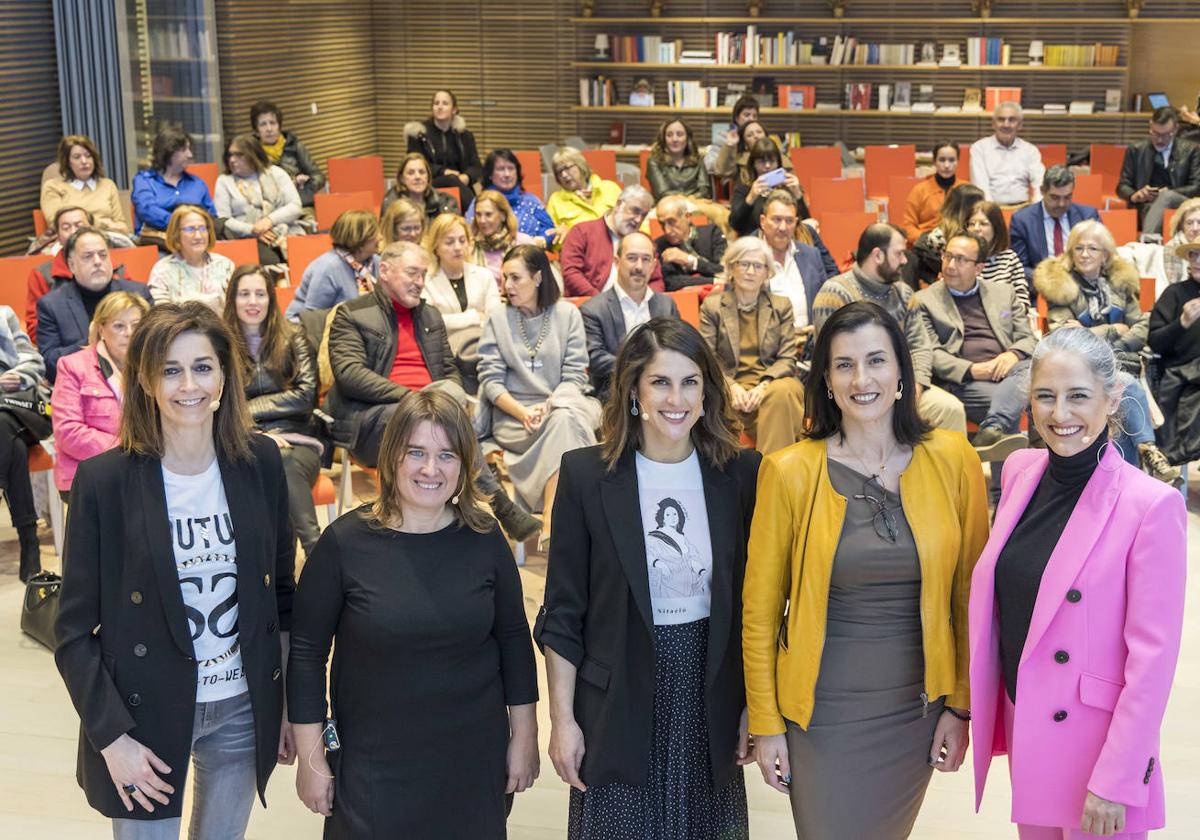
(167, 184)
(345, 271)
(502, 172)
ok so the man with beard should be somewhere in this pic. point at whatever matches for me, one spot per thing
(875, 277)
(610, 315)
(588, 263)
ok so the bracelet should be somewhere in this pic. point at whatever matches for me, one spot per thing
(964, 718)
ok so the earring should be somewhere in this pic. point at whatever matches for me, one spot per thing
(633, 408)
(454, 498)
(900, 389)
(701, 411)
(829, 393)
(214, 405)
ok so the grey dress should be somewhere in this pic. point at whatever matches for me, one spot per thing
(557, 377)
(861, 767)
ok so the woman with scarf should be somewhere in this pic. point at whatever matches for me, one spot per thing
(345, 271)
(284, 149)
(450, 149)
(257, 199)
(494, 230)
(502, 172)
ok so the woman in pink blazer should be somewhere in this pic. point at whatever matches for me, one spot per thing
(86, 403)
(1076, 612)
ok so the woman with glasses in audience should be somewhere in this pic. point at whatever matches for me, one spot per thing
(1002, 265)
(257, 199)
(414, 182)
(641, 624)
(753, 335)
(433, 689)
(403, 221)
(445, 142)
(192, 271)
(582, 194)
(167, 184)
(346, 270)
(855, 607)
(495, 232)
(1185, 228)
(81, 183)
(502, 173)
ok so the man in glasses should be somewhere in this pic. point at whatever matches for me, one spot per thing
(982, 344)
(1160, 171)
(589, 251)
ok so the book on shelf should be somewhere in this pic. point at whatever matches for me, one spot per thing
(972, 101)
(597, 92)
(983, 52)
(1082, 55)
(1054, 108)
(858, 96)
(993, 96)
(697, 57)
(927, 57)
(951, 55)
(1112, 100)
(885, 97)
(1082, 106)
(616, 133)
(948, 109)
(923, 100)
(791, 140)
(644, 49)
(797, 97)
(689, 93)
(829, 106)
(902, 100)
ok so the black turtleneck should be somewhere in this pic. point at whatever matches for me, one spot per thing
(1023, 559)
(945, 183)
(92, 299)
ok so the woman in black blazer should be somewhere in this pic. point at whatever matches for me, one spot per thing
(641, 625)
(177, 591)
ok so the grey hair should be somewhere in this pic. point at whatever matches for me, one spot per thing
(635, 193)
(673, 205)
(739, 249)
(1057, 177)
(1100, 359)
(1015, 107)
(403, 248)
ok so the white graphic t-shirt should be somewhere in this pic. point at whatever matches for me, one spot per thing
(678, 547)
(206, 561)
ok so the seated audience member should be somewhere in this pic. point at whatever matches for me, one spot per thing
(752, 134)
(403, 221)
(81, 183)
(65, 314)
(192, 271)
(1041, 229)
(1091, 286)
(689, 256)
(720, 158)
(448, 146)
(982, 344)
(494, 230)
(45, 276)
(923, 208)
(86, 403)
(346, 270)
(876, 277)
(281, 381)
(611, 315)
(796, 271)
(284, 149)
(749, 197)
(674, 166)
(582, 194)
(752, 333)
(502, 173)
(1008, 169)
(960, 204)
(166, 185)
(1001, 263)
(389, 342)
(20, 368)
(1161, 171)
(463, 292)
(588, 263)
(414, 182)
(257, 199)
(533, 379)
(1175, 336)
(1185, 228)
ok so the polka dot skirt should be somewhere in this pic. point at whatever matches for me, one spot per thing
(678, 802)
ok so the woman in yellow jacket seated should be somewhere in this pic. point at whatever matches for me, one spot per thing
(855, 601)
(582, 194)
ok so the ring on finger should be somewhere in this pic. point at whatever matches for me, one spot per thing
(130, 789)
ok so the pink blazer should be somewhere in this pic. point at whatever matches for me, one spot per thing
(1111, 599)
(85, 411)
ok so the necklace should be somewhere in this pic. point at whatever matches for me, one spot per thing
(534, 363)
(882, 474)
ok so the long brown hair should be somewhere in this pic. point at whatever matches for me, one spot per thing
(691, 154)
(275, 351)
(443, 411)
(716, 431)
(141, 425)
(64, 156)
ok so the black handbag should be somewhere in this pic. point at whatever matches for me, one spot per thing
(40, 609)
(31, 408)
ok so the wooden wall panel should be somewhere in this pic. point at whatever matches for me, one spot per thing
(1155, 46)
(30, 120)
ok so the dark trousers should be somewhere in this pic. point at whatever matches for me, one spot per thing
(301, 466)
(14, 472)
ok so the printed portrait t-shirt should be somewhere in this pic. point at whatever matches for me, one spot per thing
(678, 548)
(206, 562)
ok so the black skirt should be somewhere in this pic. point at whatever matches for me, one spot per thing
(678, 801)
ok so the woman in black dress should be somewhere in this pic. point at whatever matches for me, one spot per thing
(421, 592)
(647, 703)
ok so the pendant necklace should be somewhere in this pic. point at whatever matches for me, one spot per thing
(534, 363)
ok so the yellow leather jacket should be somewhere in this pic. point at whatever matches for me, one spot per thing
(797, 524)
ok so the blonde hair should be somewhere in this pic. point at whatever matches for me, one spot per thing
(402, 210)
(570, 155)
(354, 229)
(112, 306)
(1095, 230)
(441, 227)
(498, 199)
(1181, 213)
(175, 226)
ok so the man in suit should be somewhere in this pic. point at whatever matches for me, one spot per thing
(610, 315)
(64, 315)
(982, 344)
(587, 261)
(797, 272)
(1161, 171)
(1040, 230)
(690, 256)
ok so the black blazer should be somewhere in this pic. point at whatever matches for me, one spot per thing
(597, 610)
(708, 244)
(1183, 169)
(604, 326)
(124, 640)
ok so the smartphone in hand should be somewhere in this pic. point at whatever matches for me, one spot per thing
(775, 177)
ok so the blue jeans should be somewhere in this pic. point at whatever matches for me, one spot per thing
(1135, 424)
(225, 777)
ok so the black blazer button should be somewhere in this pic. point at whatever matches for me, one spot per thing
(135, 596)
(1060, 716)
(135, 699)
(1073, 595)
(266, 580)
(275, 674)
(271, 627)
(1062, 657)
(139, 650)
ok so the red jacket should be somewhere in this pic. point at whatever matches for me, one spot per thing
(587, 258)
(39, 284)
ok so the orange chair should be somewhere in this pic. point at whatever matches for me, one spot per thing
(241, 251)
(836, 195)
(963, 173)
(14, 282)
(1053, 154)
(137, 261)
(1089, 190)
(206, 172)
(1168, 215)
(1106, 161)
(39, 222)
(1146, 294)
(815, 162)
(285, 294)
(302, 250)
(453, 193)
(841, 231)
(1007, 212)
(899, 186)
(688, 301)
(602, 161)
(882, 162)
(643, 158)
(325, 495)
(1043, 314)
(331, 205)
(1123, 224)
(357, 174)
(531, 172)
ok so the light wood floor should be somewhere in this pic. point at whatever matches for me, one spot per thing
(39, 797)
